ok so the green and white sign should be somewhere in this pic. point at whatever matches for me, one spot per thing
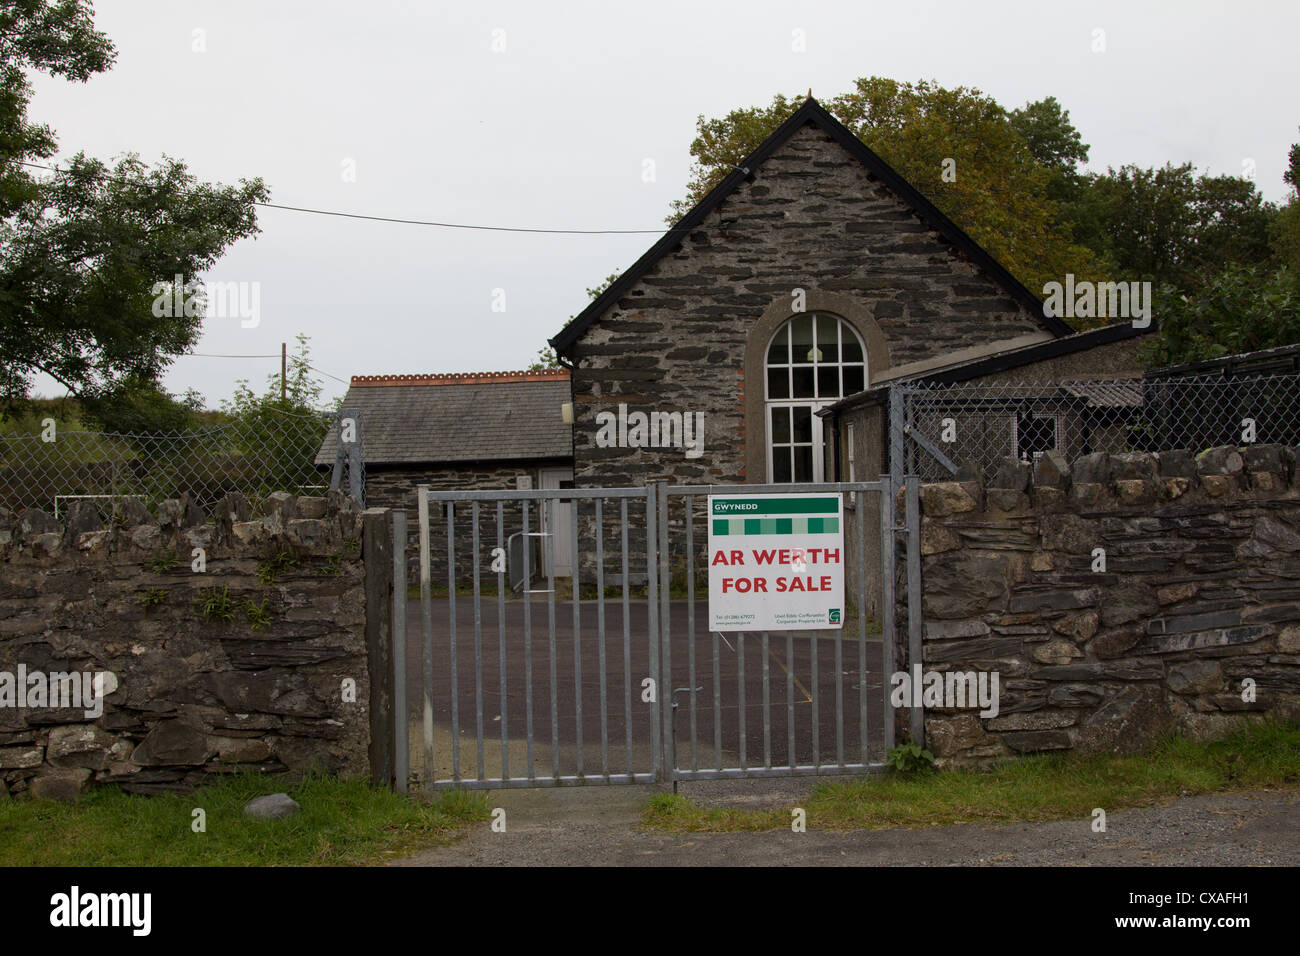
(776, 562)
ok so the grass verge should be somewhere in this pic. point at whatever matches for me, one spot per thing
(342, 822)
(1262, 756)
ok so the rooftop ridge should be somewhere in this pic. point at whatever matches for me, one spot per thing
(461, 378)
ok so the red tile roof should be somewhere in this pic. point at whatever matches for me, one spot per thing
(461, 378)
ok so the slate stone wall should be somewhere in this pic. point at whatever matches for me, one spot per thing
(255, 682)
(811, 218)
(1200, 595)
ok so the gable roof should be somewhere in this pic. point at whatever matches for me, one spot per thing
(811, 112)
(479, 416)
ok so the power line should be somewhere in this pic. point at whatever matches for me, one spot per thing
(441, 225)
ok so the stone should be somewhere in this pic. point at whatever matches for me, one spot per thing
(64, 784)
(1117, 642)
(169, 513)
(146, 537)
(1133, 492)
(192, 515)
(1053, 599)
(174, 742)
(308, 532)
(1051, 471)
(248, 533)
(1005, 500)
(946, 498)
(82, 517)
(272, 807)
(1133, 466)
(936, 539)
(1223, 460)
(35, 522)
(946, 736)
(1134, 720)
(1288, 642)
(1074, 695)
(1176, 487)
(1216, 486)
(15, 758)
(1034, 720)
(1069, 533)
(1011, 474)
(280, 504)
(132, 513)
(1093, 469)
(950, 630)
(1081, 627)
(1128, 602)
(312, 507)
(1264, 459)
(1195, 677)
(1056, 652)
(1173, 593)
(241, 749)
(1041, 561)
(79, 745)
(963, 585)
(1177, 463)
(92, 541)
(1086, 494)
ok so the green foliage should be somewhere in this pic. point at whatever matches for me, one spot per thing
(1239, 310)
(141, 407)
(342, 823)
(545, 361)
(258, 615)
(82, 247)
(215, 605)
(333, 565)
(163, 562)
(276, 564)
(152, 598)
(910, 758)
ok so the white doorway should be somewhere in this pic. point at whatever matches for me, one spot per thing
(561, 543)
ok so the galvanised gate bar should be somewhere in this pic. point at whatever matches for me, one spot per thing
(613, 677)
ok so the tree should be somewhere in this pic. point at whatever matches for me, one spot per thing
(83, 247)
(1168, 225)
(997, 189)
(1284, 233)
(1241, 309)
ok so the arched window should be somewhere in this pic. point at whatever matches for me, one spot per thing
(813, 360)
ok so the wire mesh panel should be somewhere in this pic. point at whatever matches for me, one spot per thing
(976, 426)
(54, 467)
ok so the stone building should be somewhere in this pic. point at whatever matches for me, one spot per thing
(813, 272)
(479, 430)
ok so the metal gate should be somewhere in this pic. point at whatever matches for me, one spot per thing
(526, 680)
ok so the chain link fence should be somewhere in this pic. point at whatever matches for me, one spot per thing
(974, 426)
(273, 451)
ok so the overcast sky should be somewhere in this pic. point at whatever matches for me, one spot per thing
(553, 132)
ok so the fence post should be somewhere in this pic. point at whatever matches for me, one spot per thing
(376, 544)
(356, 485)
(914, 652)
(401, 717)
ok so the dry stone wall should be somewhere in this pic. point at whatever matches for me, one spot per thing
(1117, 598)
(241, 666)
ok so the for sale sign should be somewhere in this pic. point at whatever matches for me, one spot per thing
(776, 562)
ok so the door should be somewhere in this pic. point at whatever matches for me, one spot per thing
(561, 543)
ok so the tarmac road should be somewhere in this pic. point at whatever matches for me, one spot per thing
(599, 826)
